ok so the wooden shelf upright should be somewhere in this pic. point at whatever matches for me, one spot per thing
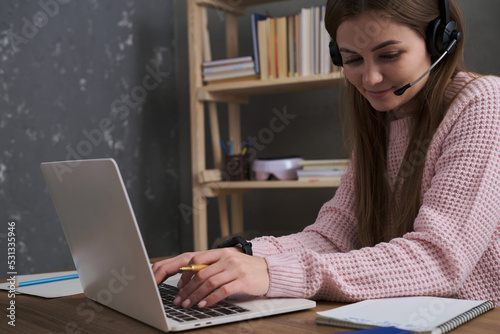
(234, 95)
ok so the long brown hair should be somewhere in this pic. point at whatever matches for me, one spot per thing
(368, 128)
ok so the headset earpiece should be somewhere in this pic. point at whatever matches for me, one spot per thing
(335, 54)
(432, 33)
(440, 34)
(442, 31)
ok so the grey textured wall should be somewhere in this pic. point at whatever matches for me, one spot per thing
(65, 67)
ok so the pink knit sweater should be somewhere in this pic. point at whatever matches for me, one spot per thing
(454, 250)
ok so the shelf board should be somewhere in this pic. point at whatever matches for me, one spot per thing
(239, 9)
(249, 3)
(240, 91)
(248, 185)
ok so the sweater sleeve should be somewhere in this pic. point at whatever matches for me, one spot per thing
(334, 230)
(457, 221)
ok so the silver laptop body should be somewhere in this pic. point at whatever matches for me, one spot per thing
(109, 253)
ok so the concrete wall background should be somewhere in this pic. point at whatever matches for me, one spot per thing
(65, 67)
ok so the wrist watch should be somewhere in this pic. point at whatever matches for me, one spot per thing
(245, 245)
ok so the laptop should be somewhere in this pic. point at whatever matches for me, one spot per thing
(111, 259)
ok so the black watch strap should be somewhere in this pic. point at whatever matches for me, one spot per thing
(245, 245)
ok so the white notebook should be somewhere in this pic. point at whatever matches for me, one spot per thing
(417, 314)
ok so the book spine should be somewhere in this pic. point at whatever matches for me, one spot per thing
(262, 33)
(227, 68)
(317, 40)
(298, 59)
(229, 74)
(282, 47)
(222, 62)
(305, 37)
(255, 43)
(291, 47)
(272, 48)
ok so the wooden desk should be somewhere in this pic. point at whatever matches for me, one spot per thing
(77, 314)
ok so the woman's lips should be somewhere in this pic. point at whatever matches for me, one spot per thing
(378, 94)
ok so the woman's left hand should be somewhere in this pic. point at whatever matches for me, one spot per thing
(229, 272)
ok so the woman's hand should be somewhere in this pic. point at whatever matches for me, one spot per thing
(229, 272)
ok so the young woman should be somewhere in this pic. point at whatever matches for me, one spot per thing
(418, 211)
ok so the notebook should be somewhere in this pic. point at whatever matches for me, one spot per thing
(111, 259)
(416, 314)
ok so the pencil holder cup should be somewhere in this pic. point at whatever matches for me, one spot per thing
(237, 167)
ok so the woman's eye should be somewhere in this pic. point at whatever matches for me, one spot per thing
(349, 61)
(390, 56)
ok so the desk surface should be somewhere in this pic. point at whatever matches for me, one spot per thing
(77, 314)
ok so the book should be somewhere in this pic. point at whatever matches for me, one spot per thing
(254, 19)
(298, 58)
(324, 44)
(262, 34)
(225, 68)
(316, 30)
(324, 163)
(291, 45)
(321, 172)
(273, 72)
(323, 167)
(230, 61)
(319, 178)
(281, 47)
(229, 74)
(306, 45)
(431, 315)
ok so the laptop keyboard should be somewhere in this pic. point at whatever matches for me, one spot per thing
(181, 314)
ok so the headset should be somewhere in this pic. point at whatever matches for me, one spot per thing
(442, 36)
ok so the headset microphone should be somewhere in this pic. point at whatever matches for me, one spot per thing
(403, 89)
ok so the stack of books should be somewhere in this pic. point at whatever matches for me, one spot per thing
(229, 70)
(322, 170)
(291, 46)
(296, 45)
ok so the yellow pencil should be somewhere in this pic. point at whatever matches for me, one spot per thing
(193, 267)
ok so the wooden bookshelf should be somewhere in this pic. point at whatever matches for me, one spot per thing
(249, 185)
(243, 90)
(238, 9)
(204, 98)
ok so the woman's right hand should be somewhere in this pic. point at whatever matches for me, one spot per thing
(230, 271)
(169, 267)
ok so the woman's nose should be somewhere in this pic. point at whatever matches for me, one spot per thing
(372, 75)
